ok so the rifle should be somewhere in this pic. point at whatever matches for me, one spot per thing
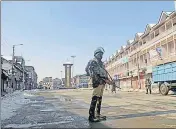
(113, 83)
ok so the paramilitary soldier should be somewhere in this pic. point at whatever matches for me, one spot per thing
(148, 84)
(96, 70)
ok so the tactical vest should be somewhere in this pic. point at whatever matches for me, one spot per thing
(99, 73)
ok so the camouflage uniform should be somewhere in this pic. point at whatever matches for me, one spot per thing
(148, 85)
(113, 88)
(95, 69)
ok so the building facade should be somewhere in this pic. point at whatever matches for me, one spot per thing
(32, 77)
(155, 46)
(81, 80)
(18, 80)
(56, 83)
(47, 82)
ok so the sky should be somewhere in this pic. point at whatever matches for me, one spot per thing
(51, 32)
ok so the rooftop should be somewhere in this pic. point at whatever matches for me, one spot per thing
(7, 57)
(69, 63)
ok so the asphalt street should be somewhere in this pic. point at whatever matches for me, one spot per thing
(69, 109)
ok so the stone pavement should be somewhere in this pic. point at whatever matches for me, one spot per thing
(69, 109)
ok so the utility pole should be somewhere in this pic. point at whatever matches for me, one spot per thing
(73, 68)
(13, 63)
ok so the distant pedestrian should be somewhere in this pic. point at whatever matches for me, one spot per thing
(113, 88)
(148, 84)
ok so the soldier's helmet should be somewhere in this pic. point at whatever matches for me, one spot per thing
(98, 50)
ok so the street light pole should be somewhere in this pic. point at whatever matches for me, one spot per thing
(73, 68)
(73, 65)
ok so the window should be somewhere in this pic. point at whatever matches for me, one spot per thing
(175, 46)
(135, 62)
(157, 32)
(147, 38)
(152, 35)
(141, 60)
(127, 65)
(135, 46)
(171, 48)
(144, 42)
(162, 28)
(140, 44)
(168, 25)
(164, 50)
(145, 58)
(174, 21)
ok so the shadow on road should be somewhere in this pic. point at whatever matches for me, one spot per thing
(153, 113)
(97, 125)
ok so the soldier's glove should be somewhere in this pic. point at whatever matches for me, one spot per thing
(108, 81)
(87, 74)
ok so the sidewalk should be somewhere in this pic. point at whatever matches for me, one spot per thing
(11, 102)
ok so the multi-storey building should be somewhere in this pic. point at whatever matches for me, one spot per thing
(56, 83)
(15, 81)
(47, 82)
(156, 45)
(32, 81)
(81, 80)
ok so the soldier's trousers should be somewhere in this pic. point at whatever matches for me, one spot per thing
(148, 88)
(96, 100)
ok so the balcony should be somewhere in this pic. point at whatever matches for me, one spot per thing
(164, 35)
(155, 40)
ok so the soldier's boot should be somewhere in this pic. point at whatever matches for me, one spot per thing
(92, 110)
(150, 91)
(98, 114)
(147, 91)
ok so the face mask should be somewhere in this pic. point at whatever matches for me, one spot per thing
(99, 56)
